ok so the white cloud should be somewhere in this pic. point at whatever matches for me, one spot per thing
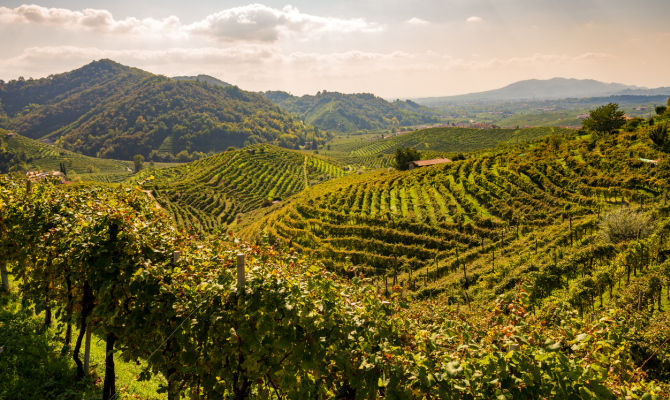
(263, 23)
(417, 21)
(475, 19)
(253, 22)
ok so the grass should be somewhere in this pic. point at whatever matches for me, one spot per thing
(33, 367)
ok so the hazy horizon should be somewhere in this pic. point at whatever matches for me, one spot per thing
(394, 49)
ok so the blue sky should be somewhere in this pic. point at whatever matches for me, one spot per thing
(392, 48)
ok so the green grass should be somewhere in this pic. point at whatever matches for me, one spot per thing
(39, 370)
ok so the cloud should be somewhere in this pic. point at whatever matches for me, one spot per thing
(263, 66)
(417, 21)
(263, 23)
(88, 19)
(474, 19)
(253, 22)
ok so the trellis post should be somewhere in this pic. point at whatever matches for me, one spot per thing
(241, 278)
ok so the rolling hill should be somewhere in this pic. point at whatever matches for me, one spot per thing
(353, 112)
(485, 223)
(108, 110)
(210, 193)
(556, 88)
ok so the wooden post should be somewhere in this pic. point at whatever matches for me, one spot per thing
(87, 349)
(241, 279)
(570, 229)
(28, 186)
(5, 277)
(175, 256)
(386, 284)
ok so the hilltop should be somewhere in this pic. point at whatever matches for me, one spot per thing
(340, 112)
(108, 110)
(547, 89)
(203, 78)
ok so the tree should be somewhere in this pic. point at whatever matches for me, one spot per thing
(605, 119)
(139, 161)
(403, 156)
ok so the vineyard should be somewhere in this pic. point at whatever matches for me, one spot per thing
(212, 192)
(374, 152)
(218, 318)
(483, 223)
(46, 157)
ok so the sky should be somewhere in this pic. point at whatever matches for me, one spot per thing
(392, 48)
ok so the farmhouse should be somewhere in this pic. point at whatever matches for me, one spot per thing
(426, 163)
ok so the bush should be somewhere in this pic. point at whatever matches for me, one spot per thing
(624, 224)
(660, 109)
(659, 135)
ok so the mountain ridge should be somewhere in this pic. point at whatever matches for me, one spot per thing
(546, 89)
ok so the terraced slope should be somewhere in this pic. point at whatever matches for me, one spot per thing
(490, 219)
(209, 193)
(375, 152)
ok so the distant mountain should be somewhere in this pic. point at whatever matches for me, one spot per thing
(353, 112)
(556, 88)
(203, 78)
(109, 110)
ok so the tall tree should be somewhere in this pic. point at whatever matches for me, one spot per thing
(605, 119)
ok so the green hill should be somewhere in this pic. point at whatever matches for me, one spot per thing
(485, 223)
(19, 153)
(108, 110)
(377, 151)
(211, 192)
(339, 112)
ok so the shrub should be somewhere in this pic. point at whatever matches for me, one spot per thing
(625, 223)
(660, 109)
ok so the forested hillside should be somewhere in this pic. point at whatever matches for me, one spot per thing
(208, 194)
(353, 112)
(108, 110)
